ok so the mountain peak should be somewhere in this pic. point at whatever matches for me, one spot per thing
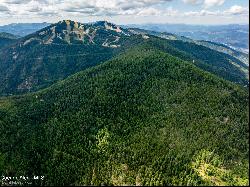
(101, 23)
(104, 24)
(101, 33)
(71, 25)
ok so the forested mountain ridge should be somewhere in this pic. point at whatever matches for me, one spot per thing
(234, 35)
(244, 57)
(212, 45)
(8, 35)
(62, 49)
(142, 118)
(6, 39)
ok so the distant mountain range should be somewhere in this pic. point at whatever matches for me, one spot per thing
(22, 29)
(234, 36)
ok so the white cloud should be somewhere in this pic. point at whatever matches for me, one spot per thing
(237, 10)
(15, 1)
(155, 12)
(149, 12)
(86, 7)
(3, 8)
(193, 2)
(105, 7)
(205, 3)
(202, 13)
(115, 6)
(100, 9)
(212, 3)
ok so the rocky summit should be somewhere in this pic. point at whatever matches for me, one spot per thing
(71, 32)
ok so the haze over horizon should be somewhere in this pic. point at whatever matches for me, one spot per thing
(194, 12)
(146, 23)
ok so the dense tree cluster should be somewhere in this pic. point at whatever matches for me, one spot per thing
(142, 118)
(6, 39)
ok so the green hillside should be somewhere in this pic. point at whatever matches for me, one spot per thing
(243, 57)
(6, 39)
(142, 118)
(216, 62)
(213, 57)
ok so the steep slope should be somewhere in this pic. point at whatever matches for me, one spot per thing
(230, 53)
(244, 57)
(143, 118)
(6, 39)
(223, 65)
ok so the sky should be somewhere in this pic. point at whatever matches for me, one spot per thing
(208, 12)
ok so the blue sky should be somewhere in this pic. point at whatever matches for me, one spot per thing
(126, 11)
